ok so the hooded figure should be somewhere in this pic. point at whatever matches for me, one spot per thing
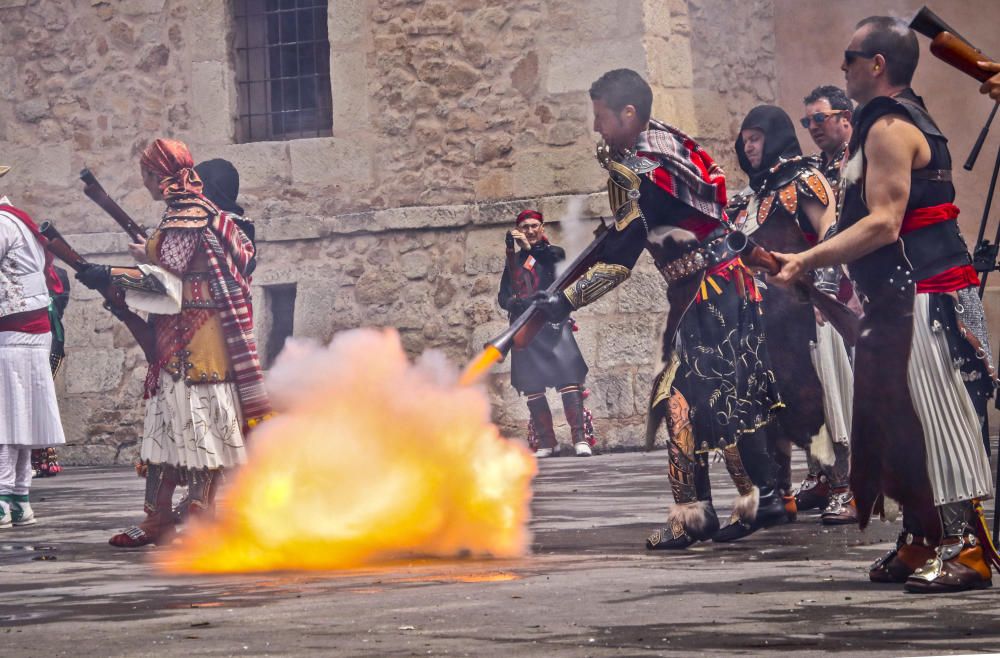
(780, 141)
(790, 204)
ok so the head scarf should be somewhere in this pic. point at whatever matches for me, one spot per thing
(221, 184)
(528, 214)
(779, 140)
(171, 161)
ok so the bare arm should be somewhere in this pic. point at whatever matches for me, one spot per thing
(894, 148)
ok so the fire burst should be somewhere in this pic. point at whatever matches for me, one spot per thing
(371, 459)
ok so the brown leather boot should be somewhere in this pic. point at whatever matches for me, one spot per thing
(910, 554)
(841, 510)
(813, 493)
(955, 568)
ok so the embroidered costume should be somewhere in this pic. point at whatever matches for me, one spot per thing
(716, 388)
(29, 413)
(204, 387)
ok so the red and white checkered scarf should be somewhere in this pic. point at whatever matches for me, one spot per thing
(229, 253)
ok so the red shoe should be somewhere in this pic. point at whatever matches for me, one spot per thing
(137, 536)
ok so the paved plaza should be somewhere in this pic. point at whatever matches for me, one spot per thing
(589, 588)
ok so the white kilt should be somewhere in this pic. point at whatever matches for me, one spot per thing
(193, 426)
(956, 459)
(29, 413)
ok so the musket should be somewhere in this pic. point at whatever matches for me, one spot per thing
(844, 320)
(139, 328)
(98, 195)
(528, 324)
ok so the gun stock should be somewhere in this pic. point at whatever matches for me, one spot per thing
(95, 191)
(843, 319)
(139, 328)
(528, 324)
(959, 53)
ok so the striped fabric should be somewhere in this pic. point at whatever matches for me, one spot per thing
(229, 252)
(956, 460)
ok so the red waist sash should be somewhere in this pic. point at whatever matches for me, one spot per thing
(955, 278)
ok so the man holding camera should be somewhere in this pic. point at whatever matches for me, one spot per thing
(552, 359)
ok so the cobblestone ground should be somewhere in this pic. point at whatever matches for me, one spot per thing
(588, 589)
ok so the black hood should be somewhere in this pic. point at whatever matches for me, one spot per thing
(221, 184)
(779, 140)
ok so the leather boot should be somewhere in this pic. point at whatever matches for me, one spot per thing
(541, 421)
(692, 518)
(959, 563)
(572, 399)
(911, 552)
(200, 499)
(158, 526)
(813, 493)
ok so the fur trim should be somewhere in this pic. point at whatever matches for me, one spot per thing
(746, 506)
(890, 509)
(821, 447)
(693, 516)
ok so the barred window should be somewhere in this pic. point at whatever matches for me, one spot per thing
(283, 69)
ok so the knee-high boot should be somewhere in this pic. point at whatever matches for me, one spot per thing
(203, 484)
(572, 399)
(756, 506)
(541, 422)
(692, 517)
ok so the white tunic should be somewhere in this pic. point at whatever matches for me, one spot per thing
(29, 413)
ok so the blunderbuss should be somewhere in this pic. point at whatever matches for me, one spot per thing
(524, 328)
(114, 300)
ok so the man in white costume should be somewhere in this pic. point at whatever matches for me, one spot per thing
(29, 413)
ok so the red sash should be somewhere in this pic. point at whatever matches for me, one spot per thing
(955, 278)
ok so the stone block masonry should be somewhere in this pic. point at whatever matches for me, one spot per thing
(448, 119)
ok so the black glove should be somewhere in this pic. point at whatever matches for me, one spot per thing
(95, 277)
(555, 307)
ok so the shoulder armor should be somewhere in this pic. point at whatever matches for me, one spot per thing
(188, 212)
(810, 183)
(640, 164)
(786, 170)
(623, 193)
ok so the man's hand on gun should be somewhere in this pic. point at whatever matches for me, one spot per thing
(94, 276)
(138, 251)
(793, 266)
(992, 86)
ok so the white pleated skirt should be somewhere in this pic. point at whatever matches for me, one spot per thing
(833, 367)
(29, 412)
(956, 459)
(193, 426)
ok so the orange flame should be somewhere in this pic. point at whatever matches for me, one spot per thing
(371, 459)
(480, 366)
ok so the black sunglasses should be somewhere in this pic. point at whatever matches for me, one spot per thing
(851, 55)
(819, 117)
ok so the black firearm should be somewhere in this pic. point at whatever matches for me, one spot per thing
(140, 329)
(528, 324)
(98, 195)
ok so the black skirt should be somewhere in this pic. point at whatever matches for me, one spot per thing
(725, 371)
(551, 360)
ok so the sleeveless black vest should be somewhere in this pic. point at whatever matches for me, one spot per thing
(924, 252)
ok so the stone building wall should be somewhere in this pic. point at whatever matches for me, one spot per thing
(449, 117)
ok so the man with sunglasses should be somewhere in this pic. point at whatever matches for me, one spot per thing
(915, 435)
(828, 120)
(828, 113)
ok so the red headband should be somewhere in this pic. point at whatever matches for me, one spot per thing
(529, 214)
